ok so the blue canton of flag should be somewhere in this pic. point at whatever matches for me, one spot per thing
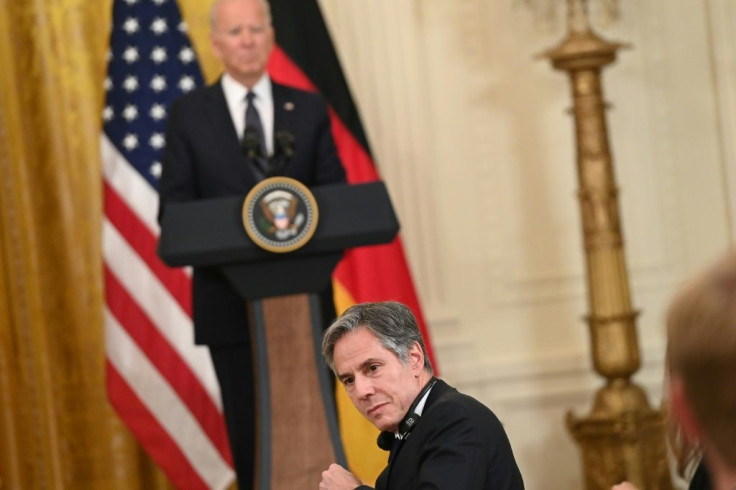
(150, 63)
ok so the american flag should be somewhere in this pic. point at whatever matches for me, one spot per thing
(162, 385)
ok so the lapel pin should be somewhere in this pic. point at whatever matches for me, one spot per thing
(289, 106)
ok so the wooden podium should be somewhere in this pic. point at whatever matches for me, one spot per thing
(297, 429)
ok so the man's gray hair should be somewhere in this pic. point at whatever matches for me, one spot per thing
(391, 322)
(213, 8)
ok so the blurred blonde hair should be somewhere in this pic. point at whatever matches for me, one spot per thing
(701, 351)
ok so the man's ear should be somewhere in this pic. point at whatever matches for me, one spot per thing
(416, 357)
(682, 411)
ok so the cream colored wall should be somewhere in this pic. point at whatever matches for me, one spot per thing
(722, 19)
(472, 135)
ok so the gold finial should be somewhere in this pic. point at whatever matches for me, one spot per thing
(577, 16)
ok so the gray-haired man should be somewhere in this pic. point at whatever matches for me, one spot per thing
(437, 437)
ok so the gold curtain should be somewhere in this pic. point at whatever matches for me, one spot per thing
(57, 429)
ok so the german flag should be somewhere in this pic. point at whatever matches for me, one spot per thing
(305, 58)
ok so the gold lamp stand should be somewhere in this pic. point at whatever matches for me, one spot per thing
(623, 437)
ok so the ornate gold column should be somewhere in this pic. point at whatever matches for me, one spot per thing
(622, 437)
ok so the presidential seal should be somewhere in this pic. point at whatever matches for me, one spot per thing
(280, 214)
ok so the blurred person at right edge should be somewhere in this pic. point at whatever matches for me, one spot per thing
(701, 382)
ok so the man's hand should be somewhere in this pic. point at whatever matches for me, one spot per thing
(338, 478)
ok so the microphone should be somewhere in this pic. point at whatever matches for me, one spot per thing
(251, 143)
(283, 151)
(284, 143)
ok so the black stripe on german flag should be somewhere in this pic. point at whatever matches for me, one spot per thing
(302, 35)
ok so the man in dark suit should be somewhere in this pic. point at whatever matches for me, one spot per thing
(204, 159)
(438, 438)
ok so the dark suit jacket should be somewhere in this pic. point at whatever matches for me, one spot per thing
(458, 444)
(203, 159)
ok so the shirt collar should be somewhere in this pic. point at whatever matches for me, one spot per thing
(419, 409)
(235, 91)
(420, 406)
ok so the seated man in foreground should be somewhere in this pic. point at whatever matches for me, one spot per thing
(438, 437)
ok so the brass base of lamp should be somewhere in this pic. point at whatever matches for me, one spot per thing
(622, 439)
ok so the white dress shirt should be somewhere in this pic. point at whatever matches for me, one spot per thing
(422, 402)
(237, 104)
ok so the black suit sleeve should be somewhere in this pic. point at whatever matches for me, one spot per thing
(327, 166)
(177, 178)
(457, 454)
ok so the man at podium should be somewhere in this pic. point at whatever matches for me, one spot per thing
(221, 140)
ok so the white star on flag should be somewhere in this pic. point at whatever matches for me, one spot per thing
(130, 54)
(159, 26)
(156, 169)
(108, 84)
(186, 55)
(130, 112)
(157, 112)
(108, 113)
(158, 83)
(130, 83)
(183, 27)
(158, 54)
(157, 141)
(130, 142)
(131, 25)
(186, 83)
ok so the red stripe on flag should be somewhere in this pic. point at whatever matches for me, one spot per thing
(284, 71)
(168, 362)
(143, 241)
(159, 444)
(360, 168)
(370, 273)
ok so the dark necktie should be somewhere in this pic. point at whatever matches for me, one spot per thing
(253, 121)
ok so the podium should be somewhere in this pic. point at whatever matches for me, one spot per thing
(297, 430)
